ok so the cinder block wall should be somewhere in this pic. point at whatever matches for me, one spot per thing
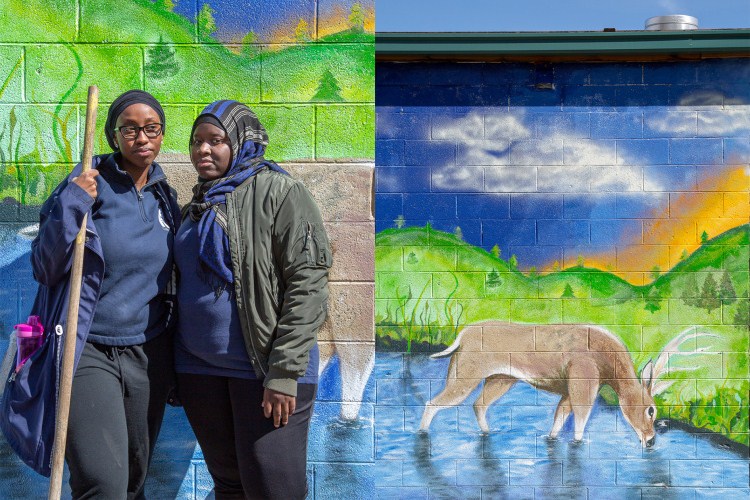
(569, 212)
(306, 68)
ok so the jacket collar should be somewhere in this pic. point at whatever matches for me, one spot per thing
(111, 162)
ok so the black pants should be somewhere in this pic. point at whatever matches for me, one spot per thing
(246, 455)
(117, 405)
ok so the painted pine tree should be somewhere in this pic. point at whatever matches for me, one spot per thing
(727, 293)
(357, 18)
(161, 61)
(206, 23)
(328, 88)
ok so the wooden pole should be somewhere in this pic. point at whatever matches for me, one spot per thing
(71, 325)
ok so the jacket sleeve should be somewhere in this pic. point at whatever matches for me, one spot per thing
(59, 222)
(303, 253)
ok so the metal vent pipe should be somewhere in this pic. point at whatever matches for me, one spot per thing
(678, 22)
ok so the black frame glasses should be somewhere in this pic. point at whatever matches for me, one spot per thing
(133, 131)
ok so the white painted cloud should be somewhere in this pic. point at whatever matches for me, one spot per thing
(512, 157)
(724, 123)
(469, 179)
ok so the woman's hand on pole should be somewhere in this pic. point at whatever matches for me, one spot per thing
(278, 404)
(87, 182)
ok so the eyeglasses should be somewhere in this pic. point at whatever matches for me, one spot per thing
(152, 130)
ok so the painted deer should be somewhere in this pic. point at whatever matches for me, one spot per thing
(571, 360)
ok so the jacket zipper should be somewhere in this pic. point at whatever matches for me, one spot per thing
(246, 309)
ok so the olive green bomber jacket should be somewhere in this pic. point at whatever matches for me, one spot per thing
(280, 258)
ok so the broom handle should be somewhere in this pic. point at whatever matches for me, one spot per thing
(71, 325)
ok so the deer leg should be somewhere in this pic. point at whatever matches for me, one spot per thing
(494, 388)
(356, 364)
(583, 386)
(456, 390)
(561, 415)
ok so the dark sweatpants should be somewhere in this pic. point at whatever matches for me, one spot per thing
(246, 455)
(117, 405)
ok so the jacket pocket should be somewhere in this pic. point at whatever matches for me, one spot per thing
(317, 247)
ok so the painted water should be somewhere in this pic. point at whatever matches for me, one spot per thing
(518, 460)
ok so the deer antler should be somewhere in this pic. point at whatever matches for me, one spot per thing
(674, 347)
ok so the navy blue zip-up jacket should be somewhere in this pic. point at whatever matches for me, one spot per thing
(29, 404)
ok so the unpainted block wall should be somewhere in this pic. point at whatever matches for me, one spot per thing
(306, 67)
(578, 233)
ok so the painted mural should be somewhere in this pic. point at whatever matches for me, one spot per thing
(305, 66)
(562, 280)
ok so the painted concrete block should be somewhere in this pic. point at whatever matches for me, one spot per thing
(101, 24)
(641, 95)
(567, 232)
(619, 74)
(521, 96)
(457, 179)
(510, 179)
(736, 151)
(338, 121)
(695, 151)
(575, 180)
(510, 126)
(27, 145)
(507, 73)
(49, 77)
(402, 126)
(641, 205)
(536, 206)
(730, 122)
(429, 153)
(642, 152)
(536, 152)
(403, 179)
(589, 206)
(55, 21)
(388, 207)
(669, 123)
(483, 206)
(389, 153)
(290, 131)
(623, 125)
(589, 151)
(569, 125)
(11, 67)
(597, 98)
(668, 73)
(608, 232)
(485, 152)
(435, 206)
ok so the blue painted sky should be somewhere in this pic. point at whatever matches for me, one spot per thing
(264, 17)
(552, 15)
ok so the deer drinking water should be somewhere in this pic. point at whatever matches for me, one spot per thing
(571, 360)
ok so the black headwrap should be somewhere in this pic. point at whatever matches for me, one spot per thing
(118, 106)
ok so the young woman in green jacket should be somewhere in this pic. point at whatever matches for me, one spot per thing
(253, 259)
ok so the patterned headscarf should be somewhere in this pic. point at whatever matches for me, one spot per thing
(248, 140)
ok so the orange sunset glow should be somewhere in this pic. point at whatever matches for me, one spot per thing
(722, 202)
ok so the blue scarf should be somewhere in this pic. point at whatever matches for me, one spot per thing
(208, 206)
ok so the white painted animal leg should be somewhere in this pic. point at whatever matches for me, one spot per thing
(456, 390)
(326, 353)
(583, 386)
(494, 388)
(356, 361)
(561, 415)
